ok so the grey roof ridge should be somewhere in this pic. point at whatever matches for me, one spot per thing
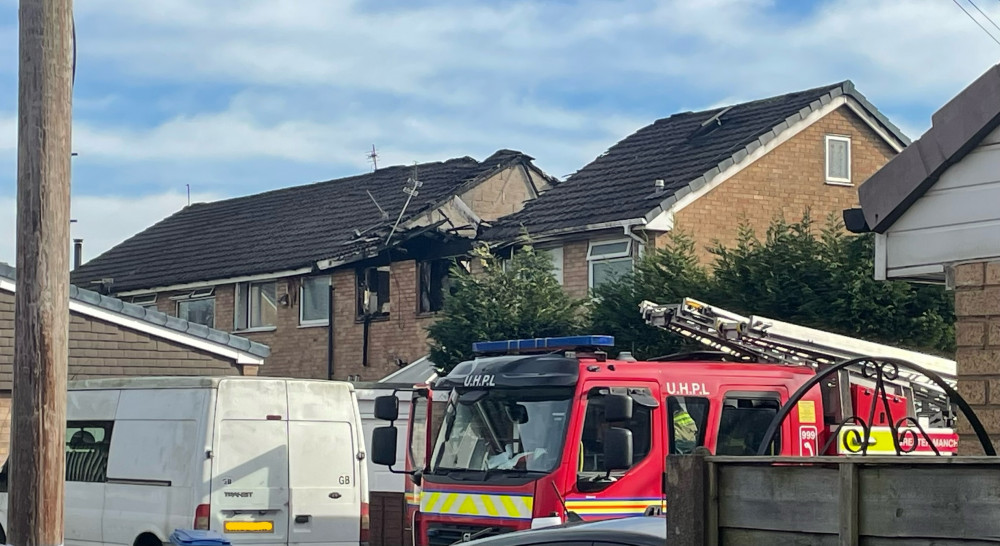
(155, 318)
(844, 88)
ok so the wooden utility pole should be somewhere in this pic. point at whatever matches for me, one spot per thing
(41, 309)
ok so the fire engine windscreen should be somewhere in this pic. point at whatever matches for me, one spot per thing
(503, 430)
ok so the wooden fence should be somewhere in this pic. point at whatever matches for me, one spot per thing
(877, 501)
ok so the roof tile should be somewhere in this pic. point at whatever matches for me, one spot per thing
(284, 229)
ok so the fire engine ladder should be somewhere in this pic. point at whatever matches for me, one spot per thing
(762, 339)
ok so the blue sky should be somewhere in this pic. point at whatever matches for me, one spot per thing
(242, 96)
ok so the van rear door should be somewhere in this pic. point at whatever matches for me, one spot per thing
(326, 487)
(249, 500)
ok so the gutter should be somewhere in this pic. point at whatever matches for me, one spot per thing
(555, 233)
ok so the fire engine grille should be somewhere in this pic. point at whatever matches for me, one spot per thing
(441, 534)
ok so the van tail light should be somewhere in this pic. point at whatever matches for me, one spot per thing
(365, 522)
(201, 516)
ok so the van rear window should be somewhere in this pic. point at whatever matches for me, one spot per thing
(88, 444)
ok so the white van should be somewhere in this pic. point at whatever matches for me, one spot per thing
(265, 461)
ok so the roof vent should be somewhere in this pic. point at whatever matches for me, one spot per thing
(659, 184)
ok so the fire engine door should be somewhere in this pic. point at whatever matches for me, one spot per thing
(599, 493)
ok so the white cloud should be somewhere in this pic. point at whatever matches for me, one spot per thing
(316, 82)
(102, 222)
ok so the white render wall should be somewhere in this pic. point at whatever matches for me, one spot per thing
(957, 220)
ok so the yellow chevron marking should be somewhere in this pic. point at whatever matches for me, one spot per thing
(509, 505)
(468, 507)
(491, 509)
(449, 500)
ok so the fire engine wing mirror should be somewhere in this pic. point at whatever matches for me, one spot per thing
(386, 408)
(617, 408)
(384, 446)
(617, 449)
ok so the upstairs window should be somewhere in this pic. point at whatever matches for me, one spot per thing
(556, 254)
(433, 280)
(146, 301)
(838, 160)
(197, 306)
(314, 301)
(256, 305)
(373, 292)
(609, 260)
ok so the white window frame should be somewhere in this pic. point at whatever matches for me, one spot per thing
(146, 301)
(242, 290)
(302, 294)
(607, 258)
(826, 163)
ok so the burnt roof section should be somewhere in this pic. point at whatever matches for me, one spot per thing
(155, 318)
(284, 229)
(685, 150)
(956, 129)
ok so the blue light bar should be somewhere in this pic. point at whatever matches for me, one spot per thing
(551, 343)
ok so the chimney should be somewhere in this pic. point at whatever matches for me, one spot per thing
(77, 253)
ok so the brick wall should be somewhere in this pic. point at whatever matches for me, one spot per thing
(301, 351)
(296, 351)
(576, 272)
(403, 336)
(977, 332)
(785, 182)
(102, 349)
(502, 194)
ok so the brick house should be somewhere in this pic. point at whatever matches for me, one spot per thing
(704, 173)
(263, 265)
(111, 338)
(935, 212)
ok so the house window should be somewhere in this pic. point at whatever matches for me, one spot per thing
(256, 305)
(87, 446)
(838, 159)
(609, 260)
(197, 306)
(146, 301)
(556, 254)
(314, 301)
(433, 279)
(373, 292)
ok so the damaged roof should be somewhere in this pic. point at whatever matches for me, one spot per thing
(285, 229)
(685, 150)
(152, 318)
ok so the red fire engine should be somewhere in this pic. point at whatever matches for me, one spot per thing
(537, 432)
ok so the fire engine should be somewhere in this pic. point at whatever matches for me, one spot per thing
(537, 432)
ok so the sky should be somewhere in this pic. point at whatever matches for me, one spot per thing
(238, 97)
